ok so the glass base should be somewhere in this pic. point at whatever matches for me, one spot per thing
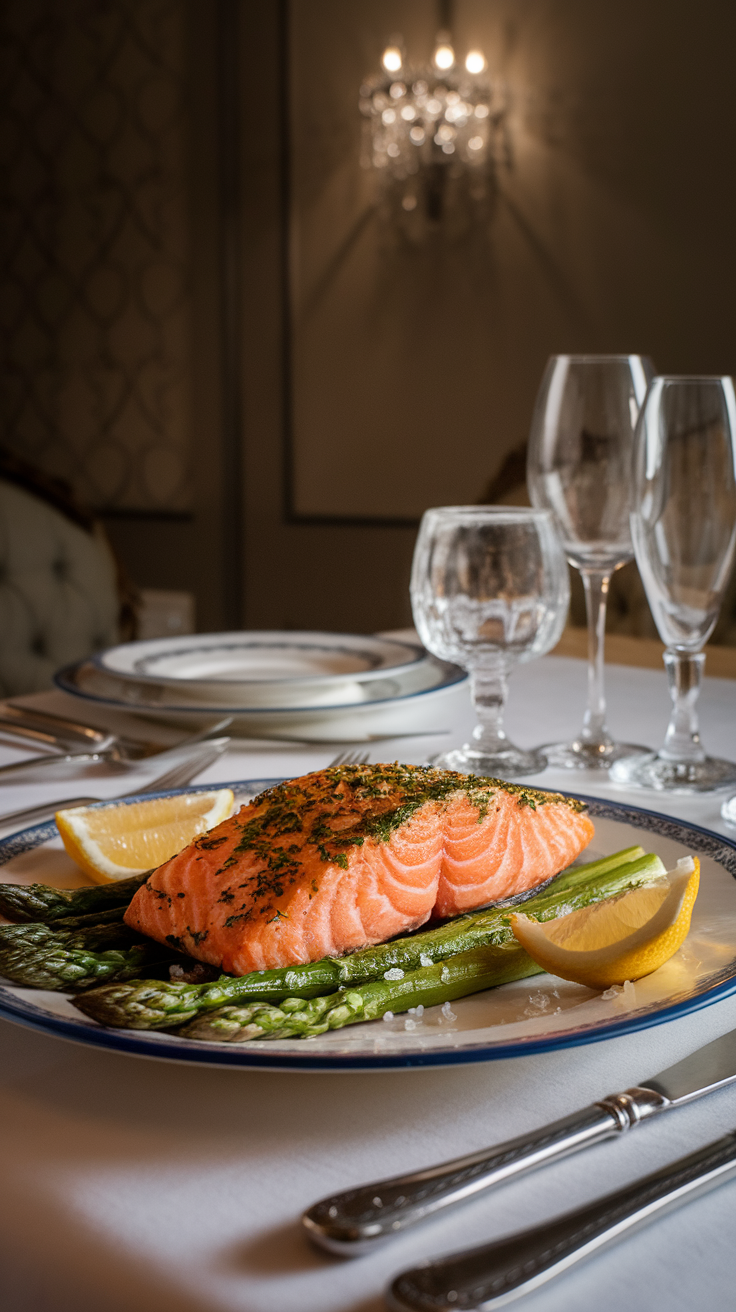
(728, 811)
(653, 771)
(505, 764)
(580, 755)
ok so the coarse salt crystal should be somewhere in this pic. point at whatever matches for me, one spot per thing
(388, 1015)
(538, 1001)
(424, 960)
(627, 993)
(445, 975)
(448, 1013)
(410, 1024)
(395, 973)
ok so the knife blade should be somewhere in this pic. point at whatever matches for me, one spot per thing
(359, 1219)
(709, 1068)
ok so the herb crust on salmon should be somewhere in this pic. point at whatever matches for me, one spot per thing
(351, 856)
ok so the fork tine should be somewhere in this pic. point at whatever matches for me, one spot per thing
(185, 770)
(349, 758)
(176, 777)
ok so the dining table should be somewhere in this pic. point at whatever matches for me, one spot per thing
(131, 1184)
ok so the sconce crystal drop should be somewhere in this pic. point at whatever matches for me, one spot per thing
(435, 135)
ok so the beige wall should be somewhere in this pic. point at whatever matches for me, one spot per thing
(416, 366)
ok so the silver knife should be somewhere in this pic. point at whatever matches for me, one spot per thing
(359, 1219)
(490, 1276)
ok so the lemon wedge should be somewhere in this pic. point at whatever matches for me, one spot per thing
(619, 939)
(128, 838)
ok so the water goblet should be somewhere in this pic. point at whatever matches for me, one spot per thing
(580, 467)
(683, 524)
(489, 587)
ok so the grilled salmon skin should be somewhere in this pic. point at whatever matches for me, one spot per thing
(351, 856)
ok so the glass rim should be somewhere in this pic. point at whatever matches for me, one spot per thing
(691, 378)
(491, 511)
(588, 357)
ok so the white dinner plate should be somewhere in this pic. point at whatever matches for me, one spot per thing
(263, 667)
(533, 1015)
(401, 703)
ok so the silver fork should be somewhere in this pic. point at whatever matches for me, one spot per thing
(194, 763)
(349, 758)
(98, 755)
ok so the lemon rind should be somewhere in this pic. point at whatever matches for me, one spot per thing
(87, 853)
(594, 962)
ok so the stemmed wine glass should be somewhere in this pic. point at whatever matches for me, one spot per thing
(489, 587)
(683, 524)
(579, 467)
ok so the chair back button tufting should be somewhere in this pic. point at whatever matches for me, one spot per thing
(59, 598)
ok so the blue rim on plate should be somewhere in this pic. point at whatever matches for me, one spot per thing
(272, 640)
(255, 1056)
(451, 676)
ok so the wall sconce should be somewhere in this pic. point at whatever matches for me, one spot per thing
(435, 136)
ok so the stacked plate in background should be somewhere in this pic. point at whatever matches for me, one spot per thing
(320, 686)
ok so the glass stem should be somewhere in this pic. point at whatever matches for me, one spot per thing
(489, 687)
(684, 672)
(595, 730)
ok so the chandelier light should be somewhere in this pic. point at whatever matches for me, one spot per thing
(435, 136)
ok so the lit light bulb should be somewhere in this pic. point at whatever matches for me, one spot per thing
(391, 59)
(444, 57)
(475, 62)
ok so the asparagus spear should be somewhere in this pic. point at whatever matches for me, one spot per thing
(93, 918)
(147, 1004)
(40, 902)
(298, 1018)
(39, 957)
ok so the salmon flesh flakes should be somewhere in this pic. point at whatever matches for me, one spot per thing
(350, 856)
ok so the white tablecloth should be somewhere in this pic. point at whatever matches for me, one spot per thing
(134, 1184)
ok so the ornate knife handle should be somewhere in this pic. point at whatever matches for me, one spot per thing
(359, 1219)
(481, 1279)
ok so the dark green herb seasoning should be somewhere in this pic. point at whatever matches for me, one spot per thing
(332, 811)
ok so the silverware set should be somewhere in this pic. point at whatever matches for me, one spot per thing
(176, 766)
(64, 738)
(486, 1277)
(196, 758)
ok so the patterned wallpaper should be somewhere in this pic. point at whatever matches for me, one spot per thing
(95, 305)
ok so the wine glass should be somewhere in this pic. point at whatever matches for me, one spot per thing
(579, 467)
(683, 524)
(489, 587)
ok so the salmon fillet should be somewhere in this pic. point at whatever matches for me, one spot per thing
(351, 856)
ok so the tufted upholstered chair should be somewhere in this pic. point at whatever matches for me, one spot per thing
(59, 597)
